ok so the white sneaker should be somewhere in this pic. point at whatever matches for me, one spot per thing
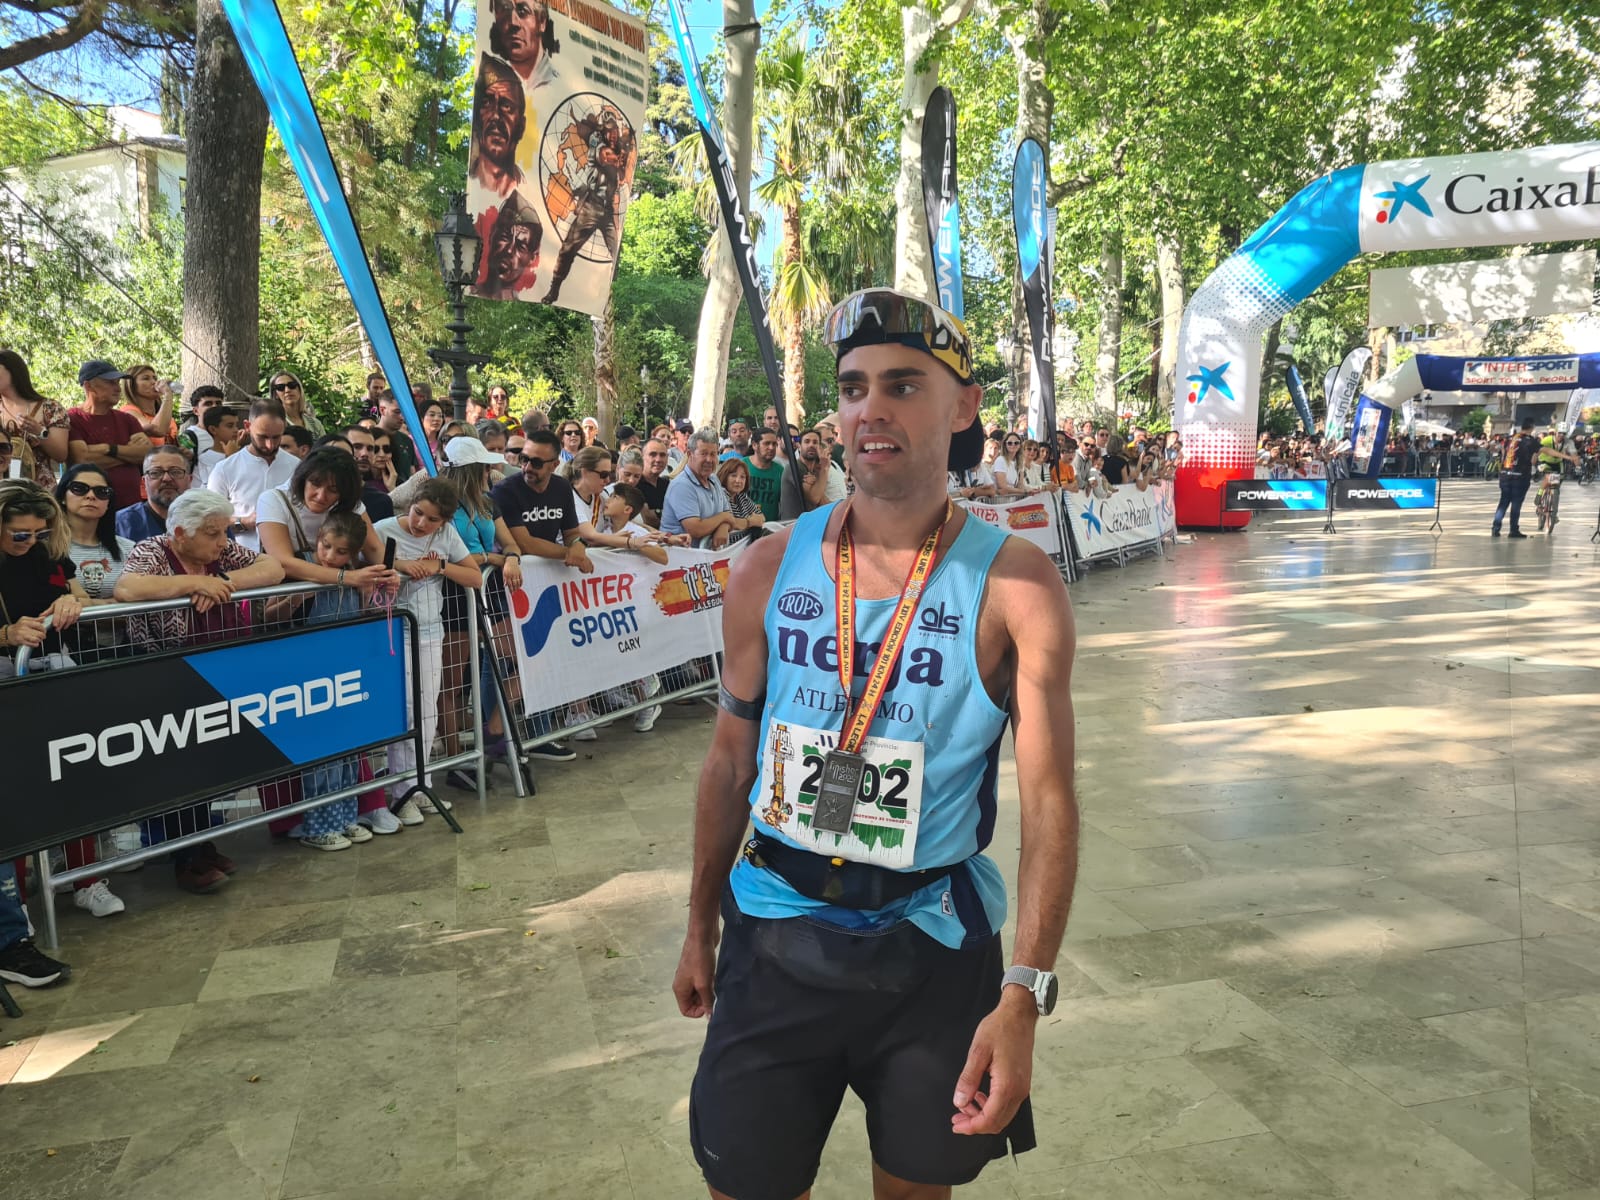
(379, 820)
(645, 719)
(97, 900)
(426, 806)
(408, 813)
(326, 841)
(358, 832)
(652, 687)
(582, 735)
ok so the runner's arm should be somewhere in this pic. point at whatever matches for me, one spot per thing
(722, 797)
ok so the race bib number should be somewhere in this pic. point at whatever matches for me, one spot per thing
(883, 827)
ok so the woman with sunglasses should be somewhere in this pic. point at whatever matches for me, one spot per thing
(150, 402)
(1008, 467)
(37, 427)
(96, 549)
(288, 391)
(571, 440)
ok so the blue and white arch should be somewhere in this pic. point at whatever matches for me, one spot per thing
(1541, 194)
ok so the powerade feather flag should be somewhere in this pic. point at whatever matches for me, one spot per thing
(939, 199)
(265, 42)
(1029, 184)
(733, 221)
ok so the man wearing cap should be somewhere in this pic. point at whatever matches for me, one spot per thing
(508, 267)
(679, 450)
(99, 433)
(875, 653)
(499, 119)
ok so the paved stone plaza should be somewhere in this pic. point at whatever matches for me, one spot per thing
(1337, 931)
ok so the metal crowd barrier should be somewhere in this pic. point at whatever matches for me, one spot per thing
(454, 714)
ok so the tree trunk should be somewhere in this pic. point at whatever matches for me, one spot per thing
(1169, 268)
(226, 124)
(912, 268)
(605, 372)
(1108, 359)
(794, 331)
(721, 305)
(1269, 358)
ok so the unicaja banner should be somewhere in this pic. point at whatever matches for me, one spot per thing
(1541, 194)
(581, 634)
(557, 109)
(1035, 519)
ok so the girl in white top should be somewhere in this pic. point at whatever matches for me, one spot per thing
(1008, 467)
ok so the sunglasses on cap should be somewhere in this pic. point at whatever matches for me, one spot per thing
(881, 315)
(100, 492)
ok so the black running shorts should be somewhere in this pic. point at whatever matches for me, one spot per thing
(804, 1010)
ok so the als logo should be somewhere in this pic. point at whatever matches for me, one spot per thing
(537, 619)
(1208, 378)
(1398, 196)
(800, 605)
(939, 621)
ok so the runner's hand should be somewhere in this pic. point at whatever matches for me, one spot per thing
(1002, 1048)
(692, 984)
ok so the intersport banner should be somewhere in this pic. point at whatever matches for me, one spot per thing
(165, 730)
(1035, 519)
(1128, 518)
(557, 110)
(1030, 184)
(581, 634)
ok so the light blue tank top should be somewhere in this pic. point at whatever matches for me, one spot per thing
(935, 697)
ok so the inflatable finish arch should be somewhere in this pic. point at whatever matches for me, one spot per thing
(1542, 194)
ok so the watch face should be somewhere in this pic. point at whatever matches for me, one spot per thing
(1051, 989)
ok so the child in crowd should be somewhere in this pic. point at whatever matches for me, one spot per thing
(623, 504)
(334, 826)
(428, 550)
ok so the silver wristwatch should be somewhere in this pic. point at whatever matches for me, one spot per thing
(1042, 984)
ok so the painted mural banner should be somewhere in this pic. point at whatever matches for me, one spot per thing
(581, 634)
(1127, 519)
(1539, 194)
(557, 109)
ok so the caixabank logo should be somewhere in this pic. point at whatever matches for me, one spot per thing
(1393, 203)
(1207, 378)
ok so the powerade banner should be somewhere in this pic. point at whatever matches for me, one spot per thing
(169, 729)
(265, 43)
(1540, 194)
(581, 634)
(1386, 493)
(1542, 373)
(733, 218)
(1270, 495)
(1030, 183)
(939, 199)
(1035, 519)
(557, 110)
(1129, 518)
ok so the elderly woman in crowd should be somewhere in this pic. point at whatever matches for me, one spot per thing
(748, 517)
(193, 561)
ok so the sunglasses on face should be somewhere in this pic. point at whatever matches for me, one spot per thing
(533, 460)
(20, 537)
(572, 433)
(5, 447)
(98, 491)
(602, 474)
(285, 386)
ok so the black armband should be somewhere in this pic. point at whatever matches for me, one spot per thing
(745, 710)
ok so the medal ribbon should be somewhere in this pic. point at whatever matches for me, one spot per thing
(859, 719)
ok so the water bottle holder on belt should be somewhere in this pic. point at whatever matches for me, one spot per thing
(836, 881)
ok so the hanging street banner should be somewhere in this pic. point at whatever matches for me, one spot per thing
(940, 203)
(557, 110)
(1127, 519)
(1545, 373)
(1269, 495)
(1035, 519)
(581, 634)
(1030, 183)
(265, 44)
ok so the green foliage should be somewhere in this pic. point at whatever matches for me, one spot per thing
(664, 235)
(34, 127)
(1472, 420)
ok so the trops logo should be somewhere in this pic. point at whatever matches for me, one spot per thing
(800, 605)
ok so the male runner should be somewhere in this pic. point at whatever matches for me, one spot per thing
(860, 924)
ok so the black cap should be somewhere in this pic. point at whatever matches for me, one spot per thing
(98, 368)
(966, 447)
(684, 427)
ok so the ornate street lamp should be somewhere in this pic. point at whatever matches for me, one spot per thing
(458, 244)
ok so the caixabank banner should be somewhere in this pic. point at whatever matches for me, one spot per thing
(581, 634)
(1385, 493)
(557, 111)
(1128, 518)
(170, 729)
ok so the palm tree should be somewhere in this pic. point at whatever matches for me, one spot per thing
(810, 120)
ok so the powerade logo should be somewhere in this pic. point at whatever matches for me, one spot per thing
(800, 605)
(596, 607)
(118, 745)
(1386, 494)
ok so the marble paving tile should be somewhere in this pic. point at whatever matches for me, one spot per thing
(207, 1162)
(78, 1171)
(1241, 897)
(107, 1042)
(287, 968)
(1258, 1167)
(1493, 1127)
(1496, 1035)
(353, 1137)
(1115, 1179)
(1564, 1120)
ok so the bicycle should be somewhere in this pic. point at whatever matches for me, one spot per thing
(1548, 503)
(1491, 467)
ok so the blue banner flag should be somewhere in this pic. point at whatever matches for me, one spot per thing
(265, 42)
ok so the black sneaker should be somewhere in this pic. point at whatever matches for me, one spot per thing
(552, 752)
(22, 963)
(1516, 533)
